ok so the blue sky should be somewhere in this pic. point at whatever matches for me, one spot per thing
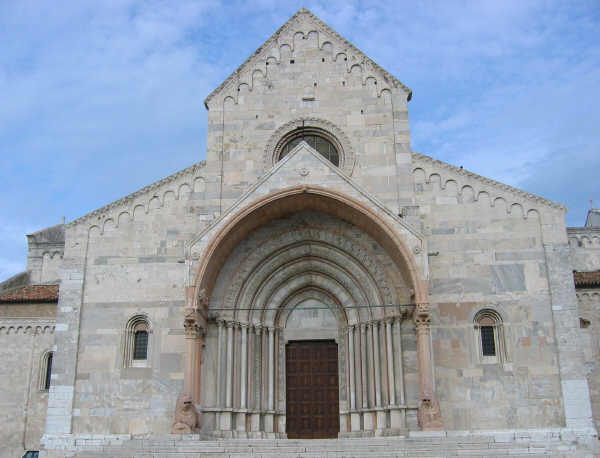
(100, 98)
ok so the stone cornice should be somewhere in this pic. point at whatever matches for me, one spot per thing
(488, 181)
(322, 27)
(103, 211)
(583, 230)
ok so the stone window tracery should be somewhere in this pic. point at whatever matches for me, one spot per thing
(491, 348)
(137, 343)
(315, 139)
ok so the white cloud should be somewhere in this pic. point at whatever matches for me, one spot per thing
(102, 98)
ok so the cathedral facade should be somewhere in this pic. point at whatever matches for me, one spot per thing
(313, 278)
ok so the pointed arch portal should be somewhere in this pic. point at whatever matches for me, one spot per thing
(308, 264)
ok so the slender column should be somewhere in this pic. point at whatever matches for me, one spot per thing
(390, 362)
(229, 381)
(244, 369)
(271, 368)
(429, 411)
(363, 365)
(219, 359)
(398, 326)
(377, 363)
(255, 416)
(351, 366)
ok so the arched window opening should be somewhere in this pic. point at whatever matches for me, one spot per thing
(140, 345)
(490, 337)
(46, 371)
(488, 342)
(137, 346)
(316, 139)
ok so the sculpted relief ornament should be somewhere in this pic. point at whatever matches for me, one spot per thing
(186, 416)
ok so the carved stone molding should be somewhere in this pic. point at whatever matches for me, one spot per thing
(303, 22)
(192, 323)
(331, 131)
(186, 416)
(429, 415)
(422, 317)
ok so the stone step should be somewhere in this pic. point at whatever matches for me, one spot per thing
(501, 445)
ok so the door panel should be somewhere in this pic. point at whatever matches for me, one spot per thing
(312, 396)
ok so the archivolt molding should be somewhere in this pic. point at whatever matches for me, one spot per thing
(33, 326)
(298, 297)
(145, 199)
(318, 244)
(304, 24)
(432, 169)
(347, 154)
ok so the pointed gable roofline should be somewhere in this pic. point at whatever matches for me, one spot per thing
(395, 82)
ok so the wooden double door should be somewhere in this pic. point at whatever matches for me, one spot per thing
(312, 389)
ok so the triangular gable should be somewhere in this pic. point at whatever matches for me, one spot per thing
(305, 166)
(304, 21)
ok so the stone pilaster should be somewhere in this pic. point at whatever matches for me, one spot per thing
(429, 414)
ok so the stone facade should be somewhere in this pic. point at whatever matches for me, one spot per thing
(584, 245)
(402, 260)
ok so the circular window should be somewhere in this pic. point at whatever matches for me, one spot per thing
(315, 140)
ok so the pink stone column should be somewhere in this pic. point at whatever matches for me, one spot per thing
(429, 414)
(194, 336)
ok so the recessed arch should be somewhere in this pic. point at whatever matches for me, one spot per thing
(321, 127)
(292, 200)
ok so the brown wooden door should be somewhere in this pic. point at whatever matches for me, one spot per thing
(312, 396)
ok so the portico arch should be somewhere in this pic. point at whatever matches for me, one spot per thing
(295, 199)
(293, 261)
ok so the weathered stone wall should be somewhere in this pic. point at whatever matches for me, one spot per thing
(128, 261)
(489, 246)
(307, 75)
(44, 254)
(24, 339)
(584, 243)
(589, 311)
(494, 247)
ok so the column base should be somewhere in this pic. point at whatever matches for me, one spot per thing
(397, 419)
(355, 422)
(240, 422)
(268, 423)
(381, 423)
(369, 421)
(225, 420)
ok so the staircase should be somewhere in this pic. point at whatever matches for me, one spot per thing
(554, 443)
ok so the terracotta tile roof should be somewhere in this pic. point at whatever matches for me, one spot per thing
(32, 293)
(587, 279)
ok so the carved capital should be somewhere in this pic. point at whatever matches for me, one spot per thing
(192, 323)
(422, 317)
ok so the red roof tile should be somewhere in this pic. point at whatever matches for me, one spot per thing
(32, 293)
(587, 279)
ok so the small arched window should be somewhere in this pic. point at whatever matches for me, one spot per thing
(316, 138)
(46, 370)
(137, 342)
(490, 337)
(140, 344)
